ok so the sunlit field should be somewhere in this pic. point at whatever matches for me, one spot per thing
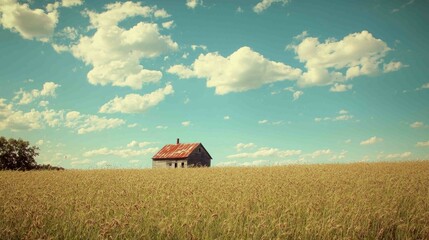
(351, 201)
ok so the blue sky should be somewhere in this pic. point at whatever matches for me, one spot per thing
(99, 84)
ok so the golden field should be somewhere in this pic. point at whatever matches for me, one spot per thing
(347, 201)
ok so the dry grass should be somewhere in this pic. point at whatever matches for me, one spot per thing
(354, 201)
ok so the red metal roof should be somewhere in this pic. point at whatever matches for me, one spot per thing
(176, 151)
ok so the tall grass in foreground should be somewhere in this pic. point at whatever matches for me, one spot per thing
(354, 201)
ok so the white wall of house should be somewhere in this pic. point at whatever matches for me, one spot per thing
(169, 164)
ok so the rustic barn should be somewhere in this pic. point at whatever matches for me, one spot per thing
(182, 155)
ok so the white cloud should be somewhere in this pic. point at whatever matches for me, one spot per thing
(138, 144)
(101, 163)
(71, 3)
(202, 47)
(187, 100)
(337, 87)
(371, 140)
(243, 70)
(80, 162)
(68, 33)
(93, 123)
(426, 85)
(226, 118)
(29, 23)
(403, 6)
(145, 129)
(239, 10)
(423, 144)
(241, 146)
(161, 13)
(132, 125)
(417, 125)
(254, 163)
(168, 25)
(161, 127)
(266, 152)
(40, 142)
(60, 48)
(193, 3)
(348, 141)
(297, 94)
(186, 123)
(48, 89)
(343, 115)
(81, 123)
(398, 155)
(90, 123)
(120, 152)
(392, 66)
(264, 4)
(135, 103)
(357, 54)
(339, 156)
(115, 52)
(263, 121)
(319, 153)
(301, 36)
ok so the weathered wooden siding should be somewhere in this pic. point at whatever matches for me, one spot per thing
(164, 163)
(199, 158)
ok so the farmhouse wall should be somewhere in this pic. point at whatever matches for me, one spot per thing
(199, 157)
(165, 163)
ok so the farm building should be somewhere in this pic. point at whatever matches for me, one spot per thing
(181, 155)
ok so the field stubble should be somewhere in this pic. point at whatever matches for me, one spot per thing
(353, 201)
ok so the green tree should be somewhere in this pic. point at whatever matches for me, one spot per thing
(17, 154)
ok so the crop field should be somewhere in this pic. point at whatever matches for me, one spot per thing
(347, 201)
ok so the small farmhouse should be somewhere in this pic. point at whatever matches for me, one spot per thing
(182, 155)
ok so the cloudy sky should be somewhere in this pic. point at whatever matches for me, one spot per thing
(99, 84)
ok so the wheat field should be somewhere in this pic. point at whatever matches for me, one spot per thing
(336, 201)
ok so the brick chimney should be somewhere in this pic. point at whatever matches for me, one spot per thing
(178, 141)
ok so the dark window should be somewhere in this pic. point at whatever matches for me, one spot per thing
(199, 149)
(175, 165)
(183, 164)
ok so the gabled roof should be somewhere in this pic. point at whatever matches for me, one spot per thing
(177, 151)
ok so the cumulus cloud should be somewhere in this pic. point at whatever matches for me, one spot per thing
(398, 155)
(343, 115)
(135, 103)
(226, 118)
(422, 144)
(193, 3)
(392, 66)
(266, 152)
(186, 123)
(168, 25)
(120, 152)
(71, 3)
(357, 54)
(48, 89)
(241, 146)
(17, 120)
(202, 47)
(161, 13)
(417, 125)
(337, 87)
(30, 23)
(243, 70)
(115, 52)
(83, 123)
(371, 140)
(264, 4)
